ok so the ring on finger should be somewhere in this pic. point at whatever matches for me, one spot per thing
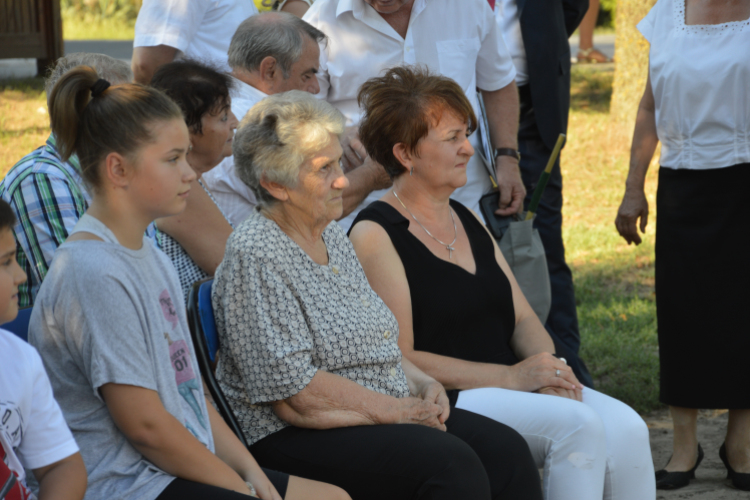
(564, 360)
(557, 373)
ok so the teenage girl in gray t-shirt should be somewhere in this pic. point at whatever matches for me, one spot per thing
(109, 320)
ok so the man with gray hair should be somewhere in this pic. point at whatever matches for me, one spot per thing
(46, 193)
(269, 53)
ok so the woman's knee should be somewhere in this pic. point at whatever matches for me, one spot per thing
(629, 430)
(584, 424)
(455, 462)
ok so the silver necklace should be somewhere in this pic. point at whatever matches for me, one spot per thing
(448, 246)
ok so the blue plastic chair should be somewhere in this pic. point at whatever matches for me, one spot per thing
(20, 325)
(206, 342)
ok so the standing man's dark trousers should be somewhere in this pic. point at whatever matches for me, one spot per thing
(562, 322)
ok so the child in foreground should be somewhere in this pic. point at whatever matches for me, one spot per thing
(33, 433)
(109, 320)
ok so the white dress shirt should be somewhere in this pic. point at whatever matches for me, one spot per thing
(232, 195)
(458, 39)
(200, 29)
(509, 21)
(699, 77)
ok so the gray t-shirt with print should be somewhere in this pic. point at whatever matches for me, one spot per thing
(109, 314)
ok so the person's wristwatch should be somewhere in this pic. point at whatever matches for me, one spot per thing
(508, 152)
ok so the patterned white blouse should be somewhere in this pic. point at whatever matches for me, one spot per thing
(281, 317)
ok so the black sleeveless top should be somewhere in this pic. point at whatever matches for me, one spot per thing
(455, 313)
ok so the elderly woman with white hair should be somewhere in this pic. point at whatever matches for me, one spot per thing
(310, 360)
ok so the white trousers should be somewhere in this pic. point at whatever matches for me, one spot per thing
(594, 450)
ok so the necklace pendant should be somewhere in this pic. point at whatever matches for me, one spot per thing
(450, 251)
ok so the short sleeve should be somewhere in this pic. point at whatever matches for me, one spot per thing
(113, 341)
(169, 22)
(646, 26)
(266, 329)
(47, 208)
(46, 438)
(495, 68)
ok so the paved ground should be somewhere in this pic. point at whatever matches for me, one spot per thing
(710, 482)
(21, 68)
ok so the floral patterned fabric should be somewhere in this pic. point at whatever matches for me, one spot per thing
(281, 317)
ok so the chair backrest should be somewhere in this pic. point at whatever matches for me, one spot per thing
(206, 344)
(20, 325)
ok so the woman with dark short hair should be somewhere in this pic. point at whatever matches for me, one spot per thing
(195, 239)
(462, 317)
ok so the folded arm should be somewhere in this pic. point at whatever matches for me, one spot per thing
(330, 401)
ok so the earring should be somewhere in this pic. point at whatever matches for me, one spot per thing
(411, 172)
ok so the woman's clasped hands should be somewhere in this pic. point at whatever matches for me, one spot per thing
(545, 374)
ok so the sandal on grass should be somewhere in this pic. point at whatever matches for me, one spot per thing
(592, 55)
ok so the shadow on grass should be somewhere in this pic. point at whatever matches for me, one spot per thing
(591, 88)
(27, 87)
(617, 319)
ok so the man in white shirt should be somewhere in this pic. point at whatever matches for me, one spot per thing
(270, 53)
(200, 29)
(538, 42)
(458, 39)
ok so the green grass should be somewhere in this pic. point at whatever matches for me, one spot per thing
(24, 125)
(92, 27)
(614, 282)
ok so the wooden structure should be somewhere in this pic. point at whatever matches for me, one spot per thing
(31, 29)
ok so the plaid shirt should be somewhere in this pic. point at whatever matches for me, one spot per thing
(48, 198)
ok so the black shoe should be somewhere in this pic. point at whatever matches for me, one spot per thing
(666, 480)
(740, 480)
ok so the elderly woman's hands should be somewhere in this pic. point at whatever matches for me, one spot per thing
(415, 410)
(429, 391)
(540, 371)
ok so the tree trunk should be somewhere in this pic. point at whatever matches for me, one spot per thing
(631, 68)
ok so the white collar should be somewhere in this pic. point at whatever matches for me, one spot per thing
(357, 7)
(243, 90)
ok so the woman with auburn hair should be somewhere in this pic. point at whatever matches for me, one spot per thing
(462, 317)
(108, 320)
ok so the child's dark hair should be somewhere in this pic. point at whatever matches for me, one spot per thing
(7, 216)
(91, 120)
(196, 88)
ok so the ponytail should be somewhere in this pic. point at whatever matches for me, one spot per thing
(69, 99)
(91, 119)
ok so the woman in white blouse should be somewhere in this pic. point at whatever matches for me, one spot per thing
(309, 356)
(697, 104)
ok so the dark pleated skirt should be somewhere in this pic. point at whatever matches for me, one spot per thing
(703, 286)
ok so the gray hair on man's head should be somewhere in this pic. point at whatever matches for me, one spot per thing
(277, 135)
(276, 34)
(113, 70)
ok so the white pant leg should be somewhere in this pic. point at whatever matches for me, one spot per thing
(630, 468)
(571, 441)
